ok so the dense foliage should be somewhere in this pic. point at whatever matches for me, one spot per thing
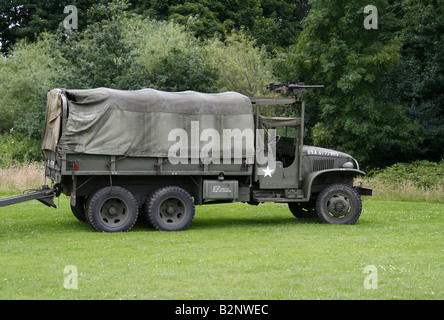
(421, 173)
(383, 97)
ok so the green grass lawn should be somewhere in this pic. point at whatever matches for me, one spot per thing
(231, 251)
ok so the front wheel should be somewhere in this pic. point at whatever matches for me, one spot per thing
(339, 204)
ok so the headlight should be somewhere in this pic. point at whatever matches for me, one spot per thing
(348, 165)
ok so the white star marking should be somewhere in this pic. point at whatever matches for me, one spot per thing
(267, 172)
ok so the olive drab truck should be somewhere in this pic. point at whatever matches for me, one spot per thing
(121, 154)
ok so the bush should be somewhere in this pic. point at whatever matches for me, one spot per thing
(17, 148)
(420, 180)
(421, 173)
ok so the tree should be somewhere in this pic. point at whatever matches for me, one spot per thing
(25, 78)
(274, 23)
(417, 81)
(27, 19)
(354, 112)
(242, 66)
(125, 51)
(96, 56)
(165, 56)
(26, 75)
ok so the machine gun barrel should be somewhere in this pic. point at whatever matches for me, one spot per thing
(292, 89)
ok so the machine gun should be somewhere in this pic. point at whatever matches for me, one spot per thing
(292, 89)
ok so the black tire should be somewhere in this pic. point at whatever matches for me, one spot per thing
(302, 210)
(112, 209)
(170, 209)
(339, 204)
(79, 210)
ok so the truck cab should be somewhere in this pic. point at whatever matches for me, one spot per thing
(314, 181)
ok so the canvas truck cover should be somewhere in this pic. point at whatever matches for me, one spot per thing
(137, 123)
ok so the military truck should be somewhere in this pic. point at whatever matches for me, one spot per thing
(121, 155)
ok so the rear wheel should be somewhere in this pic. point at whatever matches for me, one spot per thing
(112, 209)
(79, 210)
(170, 209)
(339, 204)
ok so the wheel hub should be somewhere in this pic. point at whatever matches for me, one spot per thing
(170, 210)
(338, 205)
(112, 211)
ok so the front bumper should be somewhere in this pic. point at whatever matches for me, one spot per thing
(364, 191)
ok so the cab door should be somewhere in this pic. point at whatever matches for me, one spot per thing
(281, 170)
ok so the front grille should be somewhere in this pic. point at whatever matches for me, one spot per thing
(323, 164)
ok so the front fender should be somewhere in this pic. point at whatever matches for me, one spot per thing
(337, 175)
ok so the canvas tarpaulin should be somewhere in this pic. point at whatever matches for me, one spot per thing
(53, 120)
(105, 121)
